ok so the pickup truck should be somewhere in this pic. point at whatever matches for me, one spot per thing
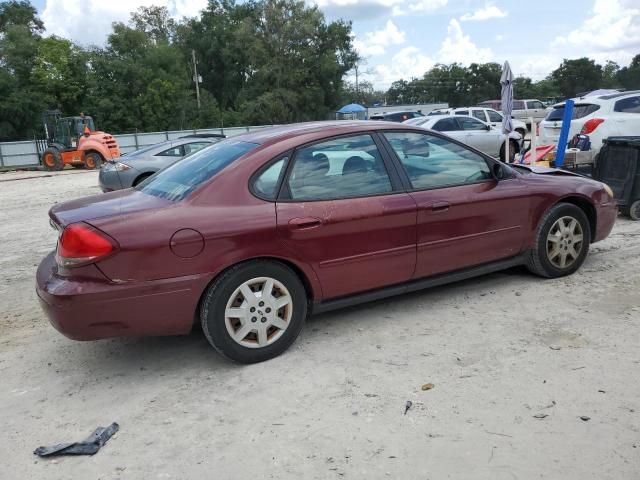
(522, 109)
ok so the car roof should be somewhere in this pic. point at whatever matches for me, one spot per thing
(328, 128)
(602, 99)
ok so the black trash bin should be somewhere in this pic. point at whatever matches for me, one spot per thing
(618, 166)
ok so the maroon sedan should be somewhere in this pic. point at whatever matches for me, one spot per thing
(253, 234)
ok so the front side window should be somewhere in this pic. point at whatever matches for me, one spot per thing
(536, 104)
(494, 116)
(469, 123)
(628, 105)
(339, 168)
(433, 162)
(172, 152)
(183, 177)
(190, 148)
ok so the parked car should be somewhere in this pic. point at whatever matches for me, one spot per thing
(396, 116)
(599, 117)
(522, 109)
(473, 132)
(128, 171)
(487, 115)
(251, 235)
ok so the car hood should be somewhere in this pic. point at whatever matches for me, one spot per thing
(104, 205)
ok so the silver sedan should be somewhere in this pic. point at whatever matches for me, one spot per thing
(131, 169)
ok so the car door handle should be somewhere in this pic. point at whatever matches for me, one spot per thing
(302, 223)
(439, 206)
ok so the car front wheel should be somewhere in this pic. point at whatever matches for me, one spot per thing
(562, 242)
(254, 311)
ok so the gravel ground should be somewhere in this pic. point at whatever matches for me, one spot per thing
(500, 350)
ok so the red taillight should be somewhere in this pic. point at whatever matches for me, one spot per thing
(81, 244)
(591, 125)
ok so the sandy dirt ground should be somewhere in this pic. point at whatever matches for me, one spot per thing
(500, 350)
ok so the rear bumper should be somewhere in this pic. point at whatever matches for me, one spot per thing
(91, 309)
(606, 215)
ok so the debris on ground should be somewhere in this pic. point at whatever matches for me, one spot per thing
(584, 418)
(555, 347)
(88, 446)
(540, 415)
(427, 386)
(407, 406)
(551, 405)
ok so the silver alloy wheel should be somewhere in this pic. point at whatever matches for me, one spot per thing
(258, 312)
(564, 242)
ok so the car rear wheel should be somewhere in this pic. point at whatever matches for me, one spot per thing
(562, 242)
(254, 311)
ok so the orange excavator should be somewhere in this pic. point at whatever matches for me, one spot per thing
(74, 141)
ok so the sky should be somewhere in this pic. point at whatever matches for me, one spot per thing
(404, 38)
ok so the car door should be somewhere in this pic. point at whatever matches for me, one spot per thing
(625, 116)
(450, 127)
(343, 210)
(495, 119)
(536, 109)
(479, 114)
(477, 136)
(465, 216)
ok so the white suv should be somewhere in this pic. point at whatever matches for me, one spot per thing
(487, 115)
(600, 117)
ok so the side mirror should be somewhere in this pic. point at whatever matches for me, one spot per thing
(488, 127)
(498, 171)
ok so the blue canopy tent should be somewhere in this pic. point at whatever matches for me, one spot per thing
(353, 111)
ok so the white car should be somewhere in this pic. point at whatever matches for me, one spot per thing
(487, 115)
(471, 131)
(522, 109)
(600, 117)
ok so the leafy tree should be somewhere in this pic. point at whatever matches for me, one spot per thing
(577, 76)
(629, 77)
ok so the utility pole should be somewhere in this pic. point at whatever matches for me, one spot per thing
(357, 89)
(196, 77)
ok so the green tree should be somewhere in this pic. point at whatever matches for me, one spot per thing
(629, 77)
(577, 76)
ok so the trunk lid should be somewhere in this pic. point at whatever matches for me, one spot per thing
(104, 205)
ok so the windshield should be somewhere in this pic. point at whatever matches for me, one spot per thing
(579, 111)
(181, 178)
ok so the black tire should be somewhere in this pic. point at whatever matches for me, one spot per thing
(513, 150)
(141, 179)
(214, 304)
(538, 261)
(634, 210)
(92, 161)
(52, 160)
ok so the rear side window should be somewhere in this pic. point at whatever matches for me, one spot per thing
(479, 114)
(183, 177)
(518, 105)
(579, 111)
(339, 168)
(469, 123)
(446, 125)
(628, 105)
(266, 183)
(535, 104)
(462, 112)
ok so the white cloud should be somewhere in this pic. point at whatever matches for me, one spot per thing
(376, 43)
(487, 12)
(367, 9)
(407, 63)
(89, 21)
(613, 25)
(458, 47)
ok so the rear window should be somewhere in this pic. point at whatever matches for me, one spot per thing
(180, 179)
(579, 111)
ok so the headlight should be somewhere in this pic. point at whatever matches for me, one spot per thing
(607, 189)
(121, 167)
